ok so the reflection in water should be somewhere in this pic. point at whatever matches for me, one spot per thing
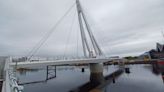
(23, 71)
(158, 70)
(92, 87)
(140, 79)
(127, 70)
(162, 76)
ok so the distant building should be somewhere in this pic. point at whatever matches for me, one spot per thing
(21, 59)
(158, 53)
(154, 53)
(145, 55)
(114, 57)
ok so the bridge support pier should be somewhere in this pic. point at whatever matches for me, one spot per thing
(51, 72)
(96, 74)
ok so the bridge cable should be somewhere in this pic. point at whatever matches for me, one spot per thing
(77, 42)
(94, 36)
(47, 35)
(69, 34)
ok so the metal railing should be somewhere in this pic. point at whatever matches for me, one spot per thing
(11, 84)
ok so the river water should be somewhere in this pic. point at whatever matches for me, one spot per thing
(141, 79)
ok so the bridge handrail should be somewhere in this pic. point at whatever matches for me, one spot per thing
(65, 58)
(11, 84)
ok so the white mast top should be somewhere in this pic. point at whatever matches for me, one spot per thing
(96, 49)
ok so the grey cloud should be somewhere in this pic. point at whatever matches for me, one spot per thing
(122, 27)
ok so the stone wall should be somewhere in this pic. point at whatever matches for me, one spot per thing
(2, 64)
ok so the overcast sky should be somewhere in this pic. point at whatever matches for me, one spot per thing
(121, 27)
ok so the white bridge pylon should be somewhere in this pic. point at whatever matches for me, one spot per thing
(83, 23)
(90, 47)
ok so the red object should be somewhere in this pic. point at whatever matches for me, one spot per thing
(161, 62)
(163, 76)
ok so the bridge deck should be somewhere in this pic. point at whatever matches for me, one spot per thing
(58, 62)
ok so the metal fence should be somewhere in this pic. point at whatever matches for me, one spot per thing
(11, 84)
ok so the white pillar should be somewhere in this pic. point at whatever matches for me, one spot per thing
(96, 73)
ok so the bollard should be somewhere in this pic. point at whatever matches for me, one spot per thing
(127, 70)
(114, 81)
(83, 70)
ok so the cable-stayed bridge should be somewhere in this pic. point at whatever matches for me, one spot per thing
(93, 55)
